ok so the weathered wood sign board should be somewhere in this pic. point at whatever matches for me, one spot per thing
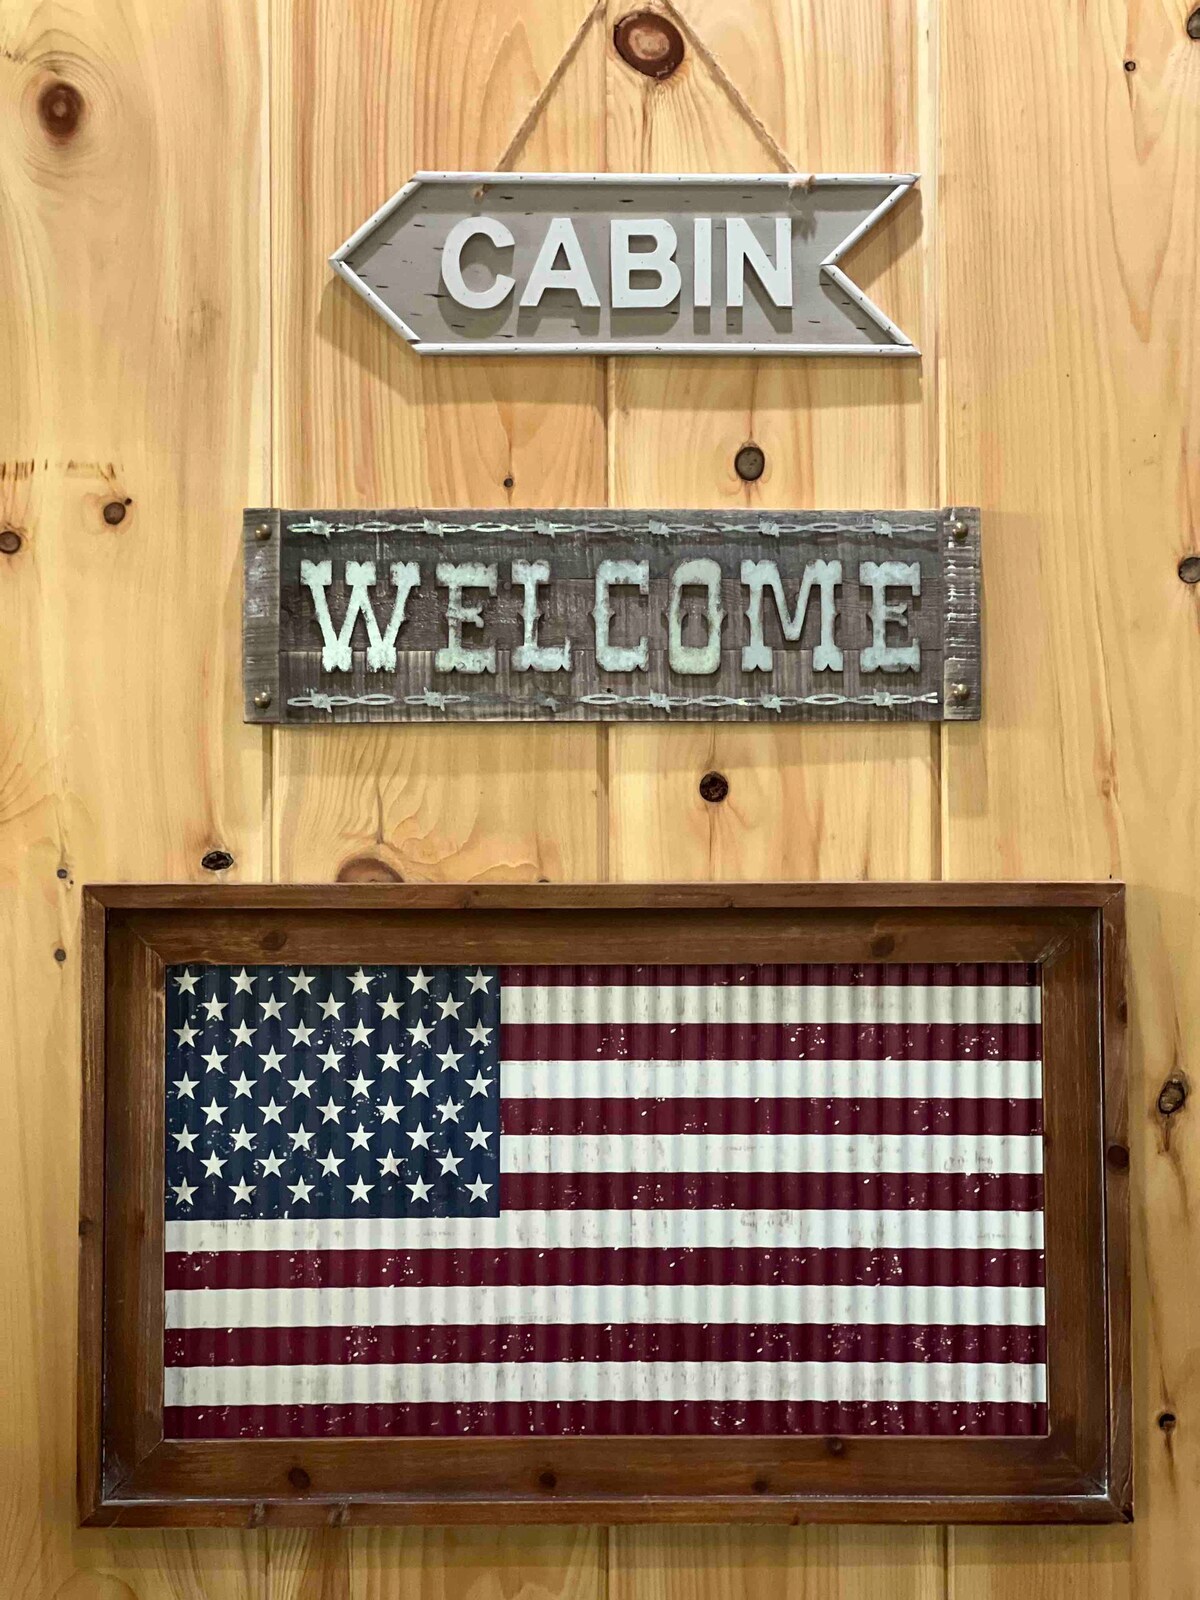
(616, 263)
(604, 616)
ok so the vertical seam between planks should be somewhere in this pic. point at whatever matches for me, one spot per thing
(271, 753)
(604, 810)
(929, 15)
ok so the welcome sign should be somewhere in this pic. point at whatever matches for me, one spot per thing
(408, 615)
(611, 263)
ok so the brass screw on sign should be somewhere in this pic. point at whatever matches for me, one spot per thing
(960, 692)
(262, 699)
(649, 43)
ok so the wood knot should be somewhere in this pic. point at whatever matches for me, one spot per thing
(216, 861)
(1192, 25)
(760, 1486)
(367, 869)
(1117, 1156)
(1189, 568)
(275, 940)
(649, 43)
(60, 110)
(836, 1447)
(114, 512)
(1167, 1421)
(10, 541)
(882, 944)
(714, 786)
(548, 1479)
(299, 1479)
(1171, 1097)
(750, 463)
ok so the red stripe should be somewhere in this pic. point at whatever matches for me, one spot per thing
(770, 1041)
(771, 1191)
(746, 1116)
(548, 1418)
(436, 1269)
(323, 1346)
(912, 975)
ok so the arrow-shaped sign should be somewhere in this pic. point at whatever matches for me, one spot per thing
(621, 264)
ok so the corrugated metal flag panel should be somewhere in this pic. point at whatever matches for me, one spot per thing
(644, 1200)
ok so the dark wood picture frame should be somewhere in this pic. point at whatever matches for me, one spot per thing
(1080, 1471)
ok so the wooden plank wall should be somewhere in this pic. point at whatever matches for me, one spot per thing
(173, 347)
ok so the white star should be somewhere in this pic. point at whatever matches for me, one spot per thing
(301, 1033)
(214, 1007)
(450, 1007)
(420, 1034)
(360, 1138)
(214, 1060)
(183, 1191)
(271, 1007)
(271, 1112)
(184, 1087)
(420, 1136)
(243, 1139)
(478, 1190)
(242, 1034)
(243, 983)
(331, 1007)
(361, 1084)
(420, 981)
(331, 1058)
(479, 1084)
(450, 1163)
(186, 1034)
(242, 1192)
(272, 1059)
(390, 1008)
(187, 984)
(448, 1110)
(331, 1164)
(360, 1190)
(449, 1060)
(360, 983)
(389, 1111)
(185, 1139)
(479, 1137)
(419, 1190)
(213, 1165)
(242, 1085)
(299, 1190)
(331, 1111)
(300, 981)
(213, 1111)
(420, 1084)
(479, 1034)
(479, 982)
(389, 1165)
(301, 1138)
(390, 1061)
(360, 1033)
(271, 1166)
(301, 1085)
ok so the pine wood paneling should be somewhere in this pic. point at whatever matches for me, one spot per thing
(364, 94)
(1069, 332)
(133, 322)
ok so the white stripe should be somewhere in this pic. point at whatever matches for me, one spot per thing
(606, 1304)
(770, 1152)
(493, 1382)
(909, 1229)
(771, 1080)
(673, 1004)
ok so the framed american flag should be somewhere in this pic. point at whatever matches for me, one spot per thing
(724, 1202)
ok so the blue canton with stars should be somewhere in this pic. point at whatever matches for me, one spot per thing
(332, 1092)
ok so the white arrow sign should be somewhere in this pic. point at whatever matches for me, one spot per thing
(621, 264)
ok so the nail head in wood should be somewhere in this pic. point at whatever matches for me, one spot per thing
(262, 699)
(960, 692)
(10, 541)
(1189, 569)
(750, 463)
(714, 786)
(263, 532)
(649, 43)
(958, 529)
